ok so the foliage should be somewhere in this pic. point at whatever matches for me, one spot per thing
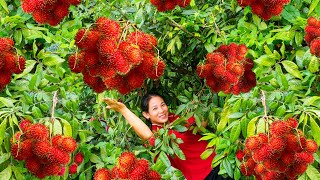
(288, 80)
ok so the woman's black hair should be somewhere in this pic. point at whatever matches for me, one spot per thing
(145, 100)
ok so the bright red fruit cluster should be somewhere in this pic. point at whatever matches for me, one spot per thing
(43, 156)
(128, 167)
(78, 158)
(226, 69)
(51, 12)
(284, 154)
(265, 8)
(107, 62)
(313, 35)
(167, 5)
(10, 61)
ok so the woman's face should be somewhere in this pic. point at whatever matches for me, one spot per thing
(158, 111)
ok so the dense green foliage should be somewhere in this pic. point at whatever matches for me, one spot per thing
(288, 80)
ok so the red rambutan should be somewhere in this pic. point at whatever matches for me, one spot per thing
(107, 46)
(37, 132)
(109, 28)
(205, 71)
(154, 175)
(288, 158)
(15, 152)
(76, 62)
(61, 10)
(33, 165)
(127, 160)
(102, 174)
(68, 144)
(133, 54)
(24, 125)
(5, 78)
(78, 158)
(20, 65)
(279, 128)
(145, 41)
(311, 146)
(73, 168)
(41, 148)
(107, 72)
(91, 58)
(215, 58)
(304, 157)
(51, 169)
(135, 79)
(252, 143)
(41, 16)
(315, 47)
(6, 44)
(183, 3)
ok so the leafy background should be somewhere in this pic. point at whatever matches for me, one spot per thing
(287, 80)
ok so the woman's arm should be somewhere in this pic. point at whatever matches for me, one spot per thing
(136, 123)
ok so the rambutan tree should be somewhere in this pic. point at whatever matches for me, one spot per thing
(241, 65)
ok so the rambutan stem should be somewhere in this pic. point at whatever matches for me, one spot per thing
(54, 103)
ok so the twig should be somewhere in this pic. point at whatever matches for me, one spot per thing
(54, 104)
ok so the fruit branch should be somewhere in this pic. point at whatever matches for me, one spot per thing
(175, 24)
(54, 104)
(263, 100)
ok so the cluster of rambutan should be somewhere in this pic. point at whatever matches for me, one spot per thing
(313, 35)
(50, 12)
(226, 69)
(265, 8)
(128, 167)
(167, 5)
(43, 156)
(283, 154)
(10, 61)
(78, 158)
(107, 62)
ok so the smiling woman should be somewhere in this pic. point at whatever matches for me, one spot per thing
(155, 110)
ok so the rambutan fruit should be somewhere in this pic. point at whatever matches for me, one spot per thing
(17, 137)
(272, 175)
(311, 146)
(219, 71)
(58, 156)
(277, 144)
(127, 161)
(78, 158)
(28, 6)
(270, 164)
(9, 59)
(107, 72)
(293, 123)
(40, 174)
(33, 165)
(41, 148)
(183, 3)
(61, 10)
(161, 7)
(235, 68)
(145, 41)
(215, 58)
(158, 70)
(212, 83)
(16, 153)
(26, 148)
(248, 64)
(235, 89)
(123, 89)
(114, 82)
(68, 144)
(103, 174)
(312, 21)
(107, 46)
(300, 168)
(279, 128)
(239, 155)
(262, 153)
(143, 164)
(94, 70)
(91, 58)
(121, 65)
(244, 170)
(257, 8)
(24, 125)
(134, 55)
(5, 78)
(156, 2)
(6, 44)
(99, 87)
(138, 174)
(274, 10)
(293, 142)
(315, 47)
(37, 132)
(263, 138)
(205, 70)
(304, 157)
(170, 4)
(288, 158)
(73, 168)
(154, 175)
(20, 65)
(252, 143)
(232, 50)
(62, 171)
(109, 28)
(76, 62)
(56, 140)
(119, 173)
(41, 16)
(135, 79)
(90, 80)
(241, 51)
(260, 169)
(51, 169)
(74, 2)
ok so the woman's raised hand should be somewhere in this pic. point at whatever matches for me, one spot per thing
(114, 105)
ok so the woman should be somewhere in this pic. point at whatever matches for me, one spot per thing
(156, 111)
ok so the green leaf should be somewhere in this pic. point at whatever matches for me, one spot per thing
(6, 102)
(314, 64)
(180, 128)
(205, 154)
(236, 115)
(67, 128)
(178, 151)
(183, 99)
(312, 172)
(6, 173)
(95, 159)
(17, 36)
(235, 132)
(17, 173)
(3, 126)
(4, 5)
(265, 60)
(315, 129)
(292, 68)
(36, 112)
(314, 100)
(252, 127)
(52, 60)
(223, 120)
(4, 157)
(164, 158)
(313, 5)
(261, 126)
(57, 128)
